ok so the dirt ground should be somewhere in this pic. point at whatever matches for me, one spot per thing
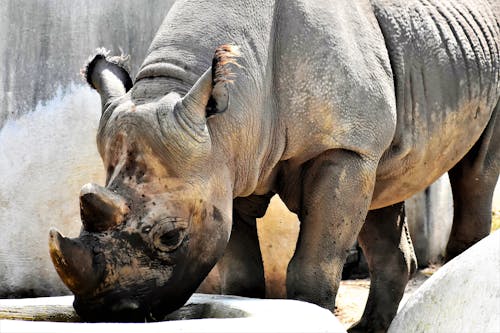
(352, 295)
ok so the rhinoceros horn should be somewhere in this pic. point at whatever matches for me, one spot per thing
(209, 95)
(74, 263)
(100, 208)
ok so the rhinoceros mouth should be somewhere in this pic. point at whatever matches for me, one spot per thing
(122, 310)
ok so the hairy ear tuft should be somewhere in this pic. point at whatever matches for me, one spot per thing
(222, 74)
(108, 75)
(122, 62)
(224, 55)
(210, 94)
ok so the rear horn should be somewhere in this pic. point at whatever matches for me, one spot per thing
(100, 208)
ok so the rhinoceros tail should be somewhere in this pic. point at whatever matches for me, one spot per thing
(122, 61)
(224, 55)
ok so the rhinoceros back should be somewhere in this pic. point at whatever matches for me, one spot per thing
(446, 67)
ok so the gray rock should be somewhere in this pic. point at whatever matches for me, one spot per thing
(463, 296)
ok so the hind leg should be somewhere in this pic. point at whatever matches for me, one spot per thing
(473, 182)
(389, 252)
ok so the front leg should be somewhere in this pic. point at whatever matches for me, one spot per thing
(336, 194)
(240, 271)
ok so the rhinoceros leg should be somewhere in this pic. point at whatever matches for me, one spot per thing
(241, 269)
(389, 252)
(336, 193)
(473, 182)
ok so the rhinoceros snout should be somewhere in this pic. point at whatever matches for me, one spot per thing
(120, 310)
(125, 305)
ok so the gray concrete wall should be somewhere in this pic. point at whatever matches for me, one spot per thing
(48, 120)
(430, 217)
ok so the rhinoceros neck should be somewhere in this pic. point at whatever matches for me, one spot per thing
(183, 50)
(185, 43)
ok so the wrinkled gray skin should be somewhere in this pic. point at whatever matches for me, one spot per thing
(343, 108)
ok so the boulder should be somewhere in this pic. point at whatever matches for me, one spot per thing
(463, 296)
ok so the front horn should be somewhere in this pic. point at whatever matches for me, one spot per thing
(100, 208)
(74, 263)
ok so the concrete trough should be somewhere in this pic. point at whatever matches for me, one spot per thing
(202, 313)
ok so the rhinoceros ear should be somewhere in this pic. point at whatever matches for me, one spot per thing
(107, 74)
(210, 93)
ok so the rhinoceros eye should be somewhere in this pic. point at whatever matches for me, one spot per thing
(171, 238)
(168, 236)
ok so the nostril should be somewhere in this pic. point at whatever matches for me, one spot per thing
(125, 305)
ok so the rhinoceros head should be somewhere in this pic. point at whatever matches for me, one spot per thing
(153, 233)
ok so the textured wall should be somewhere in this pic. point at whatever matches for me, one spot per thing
(48, 120)
(43, 43)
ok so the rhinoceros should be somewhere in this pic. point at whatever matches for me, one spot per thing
(343, 108)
